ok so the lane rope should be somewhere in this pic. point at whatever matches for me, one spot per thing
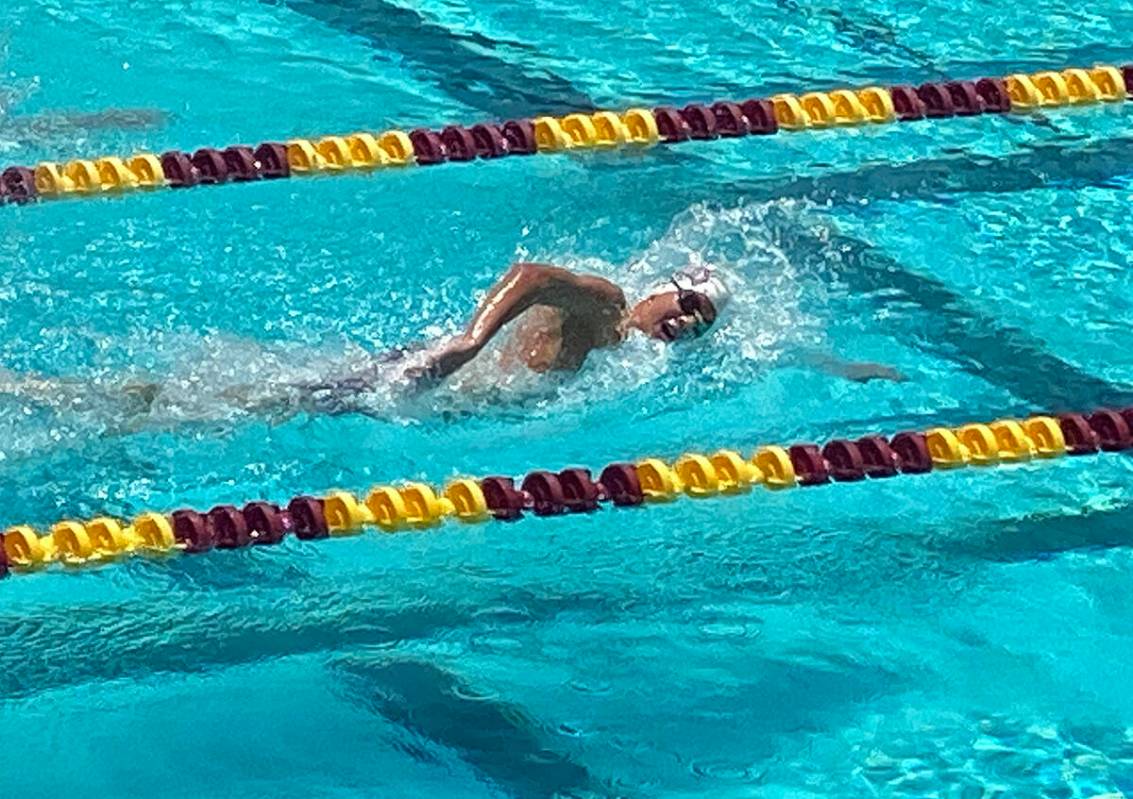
(603, 130)
(649, 481)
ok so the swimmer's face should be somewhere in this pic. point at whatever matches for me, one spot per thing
(675, 315)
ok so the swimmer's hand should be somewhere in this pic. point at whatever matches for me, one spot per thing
(444, 362)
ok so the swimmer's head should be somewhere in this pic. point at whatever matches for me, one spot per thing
(685, 307)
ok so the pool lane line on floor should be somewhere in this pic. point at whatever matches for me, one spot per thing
(649, 481)
(471, 68)
(605, 130)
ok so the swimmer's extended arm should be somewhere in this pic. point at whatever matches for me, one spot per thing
(525, 285)
(858, 371)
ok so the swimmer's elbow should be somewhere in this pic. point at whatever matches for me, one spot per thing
(533, 283)
(532, 274)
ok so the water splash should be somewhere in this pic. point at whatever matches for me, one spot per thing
(749, 245)
(219, 378)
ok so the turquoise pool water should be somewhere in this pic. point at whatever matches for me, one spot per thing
(964, 634)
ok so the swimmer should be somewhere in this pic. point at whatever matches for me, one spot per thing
(560, 317)
(563, 316)
(32, 129)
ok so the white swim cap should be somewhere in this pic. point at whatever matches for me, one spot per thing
(703, 280)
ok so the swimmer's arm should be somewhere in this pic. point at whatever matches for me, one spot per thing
(858, 371)
(525, 285)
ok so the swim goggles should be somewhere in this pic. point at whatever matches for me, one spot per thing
(698, 306)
